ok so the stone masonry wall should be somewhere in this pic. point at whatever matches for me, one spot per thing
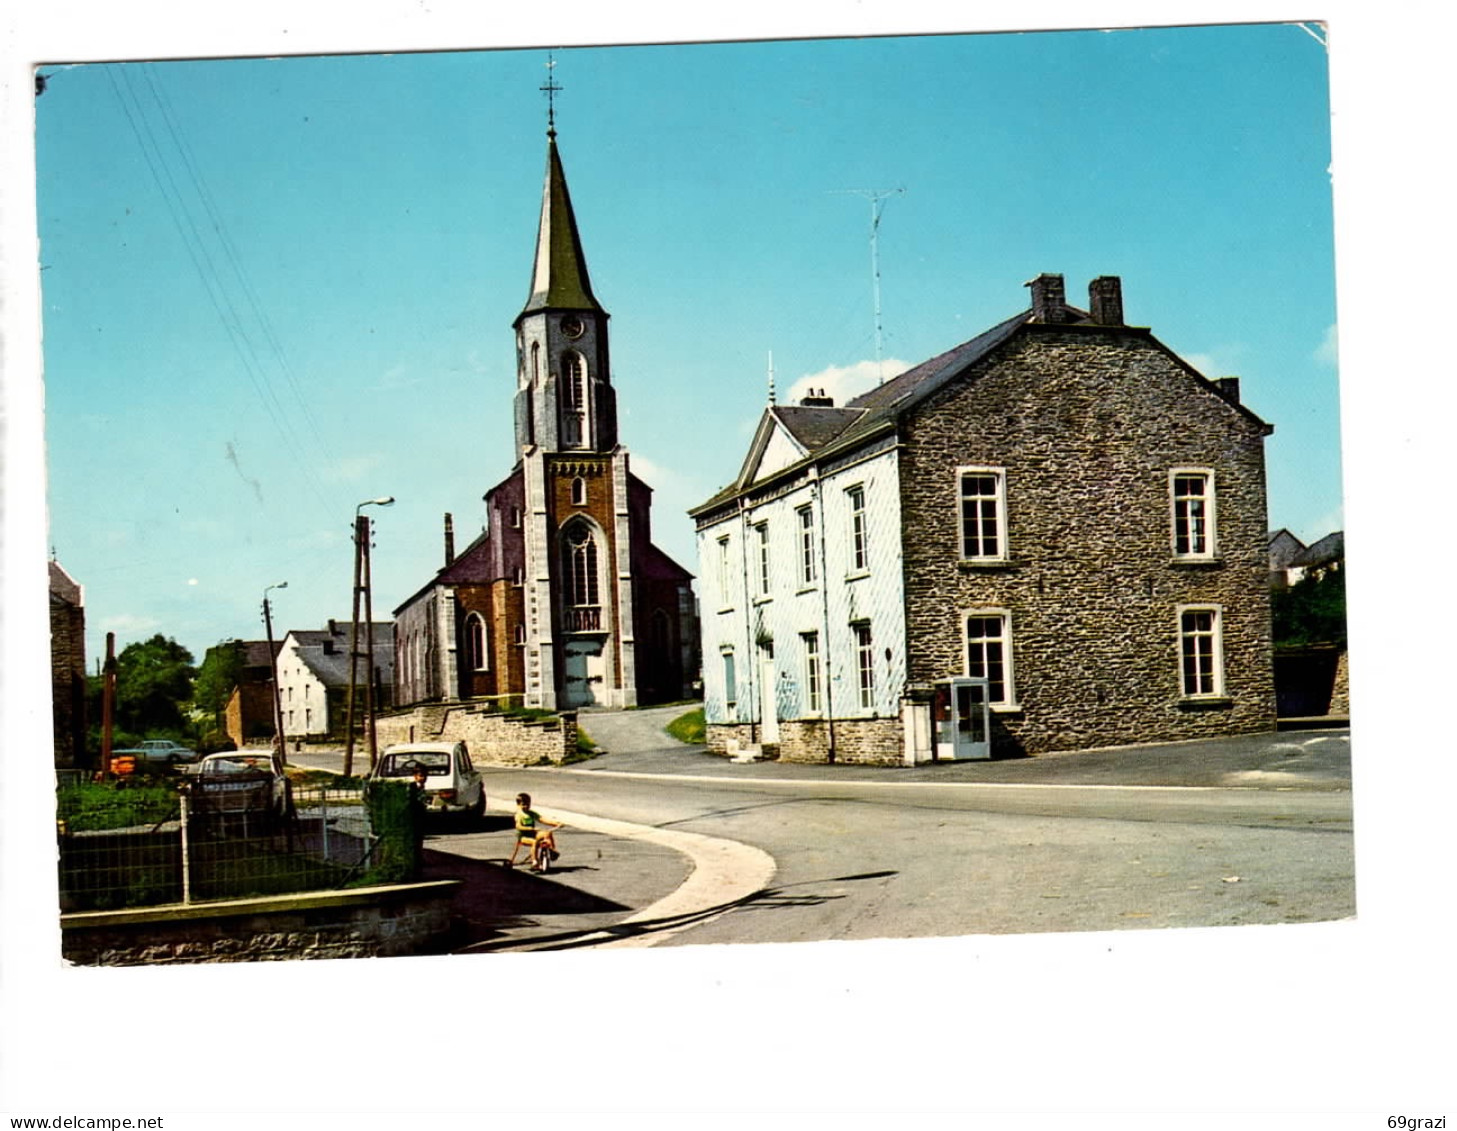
(491, 737)
(398, 922)
(1088, 422)
(875, 742)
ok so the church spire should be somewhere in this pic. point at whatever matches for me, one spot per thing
(559, 278)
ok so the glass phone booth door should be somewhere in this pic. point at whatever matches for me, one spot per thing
(961, 719)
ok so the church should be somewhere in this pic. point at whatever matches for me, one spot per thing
(563, 601)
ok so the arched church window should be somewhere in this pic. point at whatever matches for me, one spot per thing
(535, 361)
(574, 401)
(475, 643)
(579, 565)
(579, 492)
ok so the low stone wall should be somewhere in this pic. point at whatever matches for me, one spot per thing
(870, 742)
(492, 737)
(373, 922)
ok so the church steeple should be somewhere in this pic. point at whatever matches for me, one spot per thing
(564, 395)
(559, 280)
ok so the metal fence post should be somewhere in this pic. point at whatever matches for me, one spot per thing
(186, 861)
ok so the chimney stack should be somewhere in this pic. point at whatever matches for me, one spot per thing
(1105, 300)
(1228, 388)
(1049, 299)
(449, 539)
(816, 398)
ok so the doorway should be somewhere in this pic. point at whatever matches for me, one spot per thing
(961, 719)
(584, 670)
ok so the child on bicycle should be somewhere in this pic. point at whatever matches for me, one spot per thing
(529, 824)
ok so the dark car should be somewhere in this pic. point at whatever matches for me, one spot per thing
(242, 787)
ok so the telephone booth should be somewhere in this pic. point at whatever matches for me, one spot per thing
(960, 719)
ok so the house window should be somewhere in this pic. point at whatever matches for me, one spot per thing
(475, 643)
(988, 653)
(761, 549)
(1192, 496)
(806, 545)
(865, 663)
(515, 518)
(812, 674)
(579, 492)
(574, 401)
(1200, 653)
(859, 531)
(730, 680)
(983, 507)
(724, 573)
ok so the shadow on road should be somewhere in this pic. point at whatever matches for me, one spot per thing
(765, 899)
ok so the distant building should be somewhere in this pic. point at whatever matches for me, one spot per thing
(68, 668)
(1050, 537)
(249, 714)
(313, 678)
(1291, 560)
(563, 601)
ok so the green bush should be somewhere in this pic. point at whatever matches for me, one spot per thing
(397, 823)
(94, 806)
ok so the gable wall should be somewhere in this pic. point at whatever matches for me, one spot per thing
(1088, 425)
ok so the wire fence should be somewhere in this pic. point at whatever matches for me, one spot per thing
(140, 845)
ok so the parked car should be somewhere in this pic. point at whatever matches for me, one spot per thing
(165, 750)
(452, 784)
(242, 785)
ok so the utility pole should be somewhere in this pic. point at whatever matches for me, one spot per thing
(361, 588)
(278, 741)
(876, 197)
(108, 704)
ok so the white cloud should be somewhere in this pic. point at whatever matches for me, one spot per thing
(1325, 353)
(845, 381)
(350, 470)
(130, 625)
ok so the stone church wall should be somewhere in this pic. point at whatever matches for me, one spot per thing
(493, 738)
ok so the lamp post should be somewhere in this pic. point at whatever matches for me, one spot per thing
(361, 586)
(278, 743)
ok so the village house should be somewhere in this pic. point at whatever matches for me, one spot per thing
(1051, 537)
(562, 601)
(68, 668)
(313, 678)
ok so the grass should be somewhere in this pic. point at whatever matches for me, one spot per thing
(689, 728)
(97, 806)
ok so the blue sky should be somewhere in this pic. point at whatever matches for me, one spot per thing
(273, 288)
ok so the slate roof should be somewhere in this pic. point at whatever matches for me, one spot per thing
(559, 280)
(63, 585)
(332, 667)
(1330, 548)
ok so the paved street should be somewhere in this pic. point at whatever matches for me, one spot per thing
(1249, 830)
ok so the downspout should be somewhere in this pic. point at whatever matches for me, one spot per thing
(825, 615)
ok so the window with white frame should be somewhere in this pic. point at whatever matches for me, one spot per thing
(807, 572)
(725, 574)
(1191, 493)
(812, 672)
(983, 514)
(761, 557)
(864, 663)
(1201, 660)
(989, 652)
(859, 530)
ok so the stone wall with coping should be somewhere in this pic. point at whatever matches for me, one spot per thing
(869, 742)
(360, 923)
(492, 737)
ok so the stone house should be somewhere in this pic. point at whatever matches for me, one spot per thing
(68, 668)
(249, 712)
(563, 601)
(1050, 537)
(313, 677)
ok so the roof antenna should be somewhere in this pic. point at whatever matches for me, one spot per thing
(550, 88)
(875, 196)
(772, 400)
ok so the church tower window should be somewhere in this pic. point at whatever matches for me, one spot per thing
(580, 586)
(574, 401)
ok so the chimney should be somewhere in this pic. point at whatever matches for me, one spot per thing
(1049, 299)
(815, 398)
(1228, 388)
(333, 628)
(449, 539)
(1105, 300)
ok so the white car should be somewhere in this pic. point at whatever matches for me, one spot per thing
(165, 750)
(452, 784)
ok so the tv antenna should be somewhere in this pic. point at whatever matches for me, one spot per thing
(876, 198)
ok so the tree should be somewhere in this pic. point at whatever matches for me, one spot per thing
(153, 685)
(1312, 611)
(220, 673)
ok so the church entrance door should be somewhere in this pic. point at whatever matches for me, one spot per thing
(584, 674)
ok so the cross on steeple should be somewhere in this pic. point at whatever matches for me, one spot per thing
(550, 88)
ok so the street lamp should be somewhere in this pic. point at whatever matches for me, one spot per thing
(361, 586)
(278, 742)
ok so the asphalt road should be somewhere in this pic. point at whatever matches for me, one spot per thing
(1249, 830)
